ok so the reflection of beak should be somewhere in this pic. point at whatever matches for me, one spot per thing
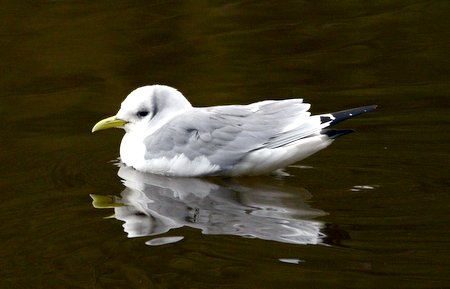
(102, 202)
(109, 122)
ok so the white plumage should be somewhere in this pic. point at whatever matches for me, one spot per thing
(165, 135)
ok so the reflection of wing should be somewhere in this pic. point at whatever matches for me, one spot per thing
(225, 134)
(153, 205)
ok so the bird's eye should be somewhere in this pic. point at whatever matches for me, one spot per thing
(142, 113)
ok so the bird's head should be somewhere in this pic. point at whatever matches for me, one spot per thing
(143, 106)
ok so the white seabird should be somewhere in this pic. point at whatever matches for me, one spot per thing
(165, 134)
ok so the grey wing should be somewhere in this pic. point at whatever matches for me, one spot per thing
(222, 139)
(226, 134)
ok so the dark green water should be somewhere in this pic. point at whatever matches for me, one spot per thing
(371, 211)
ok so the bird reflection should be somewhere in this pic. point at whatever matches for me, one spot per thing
(262, 208)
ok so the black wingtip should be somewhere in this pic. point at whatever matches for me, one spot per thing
(335, 133)
(348, 113)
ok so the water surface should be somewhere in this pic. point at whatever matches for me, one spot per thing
(371, 209)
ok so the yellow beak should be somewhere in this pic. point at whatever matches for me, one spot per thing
(109, 122)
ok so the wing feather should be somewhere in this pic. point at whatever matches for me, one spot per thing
(226, 134)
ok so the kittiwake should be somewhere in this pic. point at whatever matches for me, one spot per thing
(165, 134)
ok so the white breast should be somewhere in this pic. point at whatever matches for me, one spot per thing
(132, 150)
